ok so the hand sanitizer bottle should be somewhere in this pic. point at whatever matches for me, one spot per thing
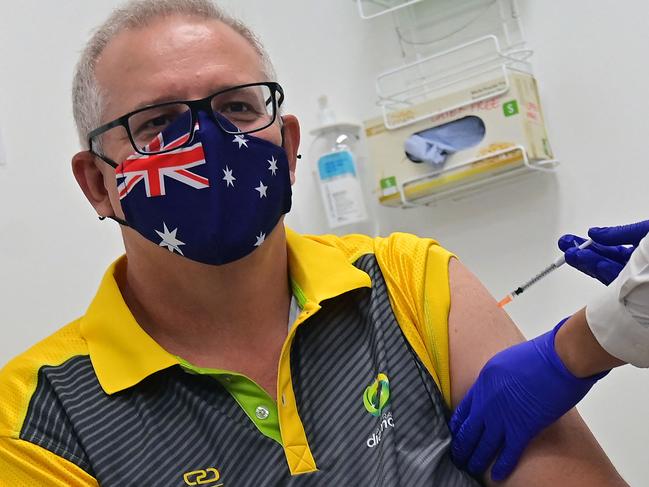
(341, 178)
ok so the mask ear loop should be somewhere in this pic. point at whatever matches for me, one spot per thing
(281, 131)
(114, 165)
(115, 219)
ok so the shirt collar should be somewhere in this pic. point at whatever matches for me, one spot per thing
(320, 271)
(123, 354)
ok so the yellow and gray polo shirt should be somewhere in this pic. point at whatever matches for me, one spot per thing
(363, 387)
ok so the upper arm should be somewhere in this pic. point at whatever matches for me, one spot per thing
(23, 464)
(564, 454)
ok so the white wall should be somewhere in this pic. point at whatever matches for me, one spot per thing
(591, 64)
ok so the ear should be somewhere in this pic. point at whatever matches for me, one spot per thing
(89, 176)
(291, 137)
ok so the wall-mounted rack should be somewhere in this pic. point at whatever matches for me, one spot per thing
(370, 9)
(461, 180)
(433, 26)
(460, 58)
(416, 83)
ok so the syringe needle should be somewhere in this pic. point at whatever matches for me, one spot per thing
(548, 270)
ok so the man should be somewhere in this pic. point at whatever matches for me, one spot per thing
(529, 386)
(225, 349)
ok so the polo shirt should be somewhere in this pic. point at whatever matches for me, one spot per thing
(363, 387)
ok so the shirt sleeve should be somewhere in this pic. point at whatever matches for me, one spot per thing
(619, 316)
(23, 464)
(416, 273)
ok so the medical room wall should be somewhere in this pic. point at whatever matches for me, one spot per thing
(591, 61)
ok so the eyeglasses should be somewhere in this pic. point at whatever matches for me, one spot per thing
(250, 108)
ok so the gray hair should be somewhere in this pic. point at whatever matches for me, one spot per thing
(87, 100)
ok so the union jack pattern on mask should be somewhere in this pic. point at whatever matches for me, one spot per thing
(152, 169)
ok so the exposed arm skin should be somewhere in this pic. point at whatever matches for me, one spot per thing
(579, 350)
(566, 454)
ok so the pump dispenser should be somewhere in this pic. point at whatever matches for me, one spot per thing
(326, 116)
(340, 175)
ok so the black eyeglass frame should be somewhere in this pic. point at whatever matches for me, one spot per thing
(194, 106)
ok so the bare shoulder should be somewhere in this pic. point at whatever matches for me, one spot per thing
(566, 454)
(478, 329)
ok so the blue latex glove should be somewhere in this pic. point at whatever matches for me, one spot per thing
(435, 144)
(605, 258)
(519, 392)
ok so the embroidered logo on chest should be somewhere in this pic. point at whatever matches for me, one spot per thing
(375, 400)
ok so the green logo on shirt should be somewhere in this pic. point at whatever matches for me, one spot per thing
(377, 395)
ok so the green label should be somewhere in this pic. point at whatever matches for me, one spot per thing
(387, 183)
(510, 108)
(377, 395)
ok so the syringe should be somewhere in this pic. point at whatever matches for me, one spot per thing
(555, 265)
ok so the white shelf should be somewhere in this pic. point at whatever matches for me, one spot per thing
(414, 83)
(433, 26)
(467, 184)
(370, 9)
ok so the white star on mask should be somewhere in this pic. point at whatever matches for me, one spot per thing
(273, 165)
(228, 177)
(169, 240)
(262, 190)
(241, 140)
(260, 239)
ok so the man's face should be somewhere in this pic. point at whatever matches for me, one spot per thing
(174, 58)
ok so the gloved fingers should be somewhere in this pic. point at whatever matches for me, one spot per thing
(621, 235)
(569, 240)
(507, 460)
(607, 271)
(461, 413)
(617, 253)
(466, 439)
(490, 443)
(593, 264)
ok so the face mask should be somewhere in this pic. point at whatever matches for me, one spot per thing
(214, 201)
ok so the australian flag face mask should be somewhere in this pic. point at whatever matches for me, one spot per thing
(213, 201)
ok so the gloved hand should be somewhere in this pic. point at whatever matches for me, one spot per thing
(519, 392)
(605, 258)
